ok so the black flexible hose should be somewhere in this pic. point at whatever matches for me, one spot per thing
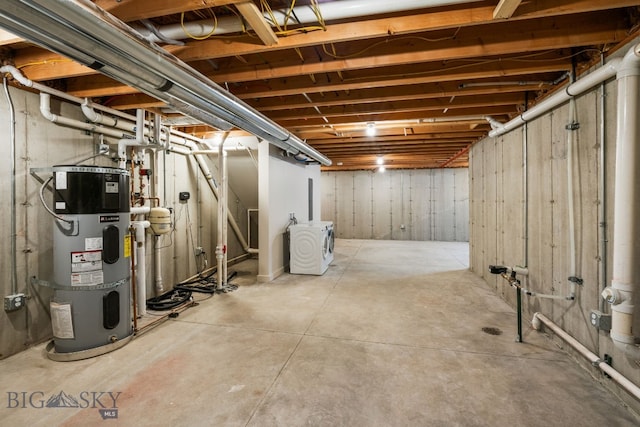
(169, 300)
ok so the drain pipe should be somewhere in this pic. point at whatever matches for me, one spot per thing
(631, 388)
(221, 248)
(141, 278)
(579, 87)
(626, 228)
(45, 110)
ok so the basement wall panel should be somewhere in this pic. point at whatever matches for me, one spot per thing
(421, 204)
(461, 204)
(548, 245)
(362, 213)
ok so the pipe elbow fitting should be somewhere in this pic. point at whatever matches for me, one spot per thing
(535, 322)
(611, 295)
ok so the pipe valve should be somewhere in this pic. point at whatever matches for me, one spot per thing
(611, 295)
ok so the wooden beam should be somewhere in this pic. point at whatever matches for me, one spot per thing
(505, 9)
(473, 15)
(134, 10)
(499, 39)
(98, 86)
(255, 19)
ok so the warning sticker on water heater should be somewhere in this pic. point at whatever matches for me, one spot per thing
(61, 320)
(88, 278)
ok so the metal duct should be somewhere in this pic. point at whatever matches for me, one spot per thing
(87, 34)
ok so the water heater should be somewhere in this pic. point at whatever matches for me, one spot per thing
(91, 306)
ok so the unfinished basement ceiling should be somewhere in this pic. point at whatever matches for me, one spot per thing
(426, 78)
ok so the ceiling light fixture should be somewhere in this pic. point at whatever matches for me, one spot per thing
(371, 129)
(380, 160)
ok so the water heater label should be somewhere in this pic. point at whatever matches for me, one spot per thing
(111, 187)
(88, 278)
(61, 320)
(93, 243)
(86, 261)
(109, 218)
(61, 180)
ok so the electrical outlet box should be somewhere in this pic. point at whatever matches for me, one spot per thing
(14, 302)
(183, 196)
(600, 320)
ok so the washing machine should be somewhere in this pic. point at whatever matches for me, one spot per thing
(311, 247)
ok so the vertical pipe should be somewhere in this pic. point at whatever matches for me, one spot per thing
(12, 155)
(222, 201)
(525, 191)
(225, 229)
(570, 201)
(158, 265)
(603, 190)
(519, 308)
(626, 230)
(134, 283)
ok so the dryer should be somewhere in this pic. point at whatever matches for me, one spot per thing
(311, 247)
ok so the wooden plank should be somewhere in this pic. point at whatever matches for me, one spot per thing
(505, 9)
(134, 10)
(255, 19)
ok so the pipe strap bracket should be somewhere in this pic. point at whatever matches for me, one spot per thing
(100, 286)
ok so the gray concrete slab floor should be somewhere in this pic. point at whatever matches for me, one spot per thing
(391, 335)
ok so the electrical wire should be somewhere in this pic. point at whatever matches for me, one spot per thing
(48, 209)
(213, 28)
(386, 41)
(472, 63)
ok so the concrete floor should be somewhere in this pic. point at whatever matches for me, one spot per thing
(391, 335)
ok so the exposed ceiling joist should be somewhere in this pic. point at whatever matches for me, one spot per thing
(427, 78)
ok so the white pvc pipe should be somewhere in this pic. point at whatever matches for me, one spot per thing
(302, 14)
(127, 142)
(222, 201)
(626, 227)
(579, 87)
(141, 278)
(570, 201)
(225, 228)
(631, 388)
(157, 265)
(139, 210)
(45, 110)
